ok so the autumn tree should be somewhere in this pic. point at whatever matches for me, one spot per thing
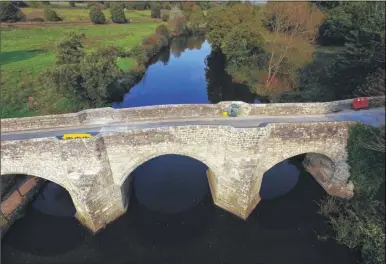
(293, 27)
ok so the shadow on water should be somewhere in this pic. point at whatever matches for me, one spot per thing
(49, 227)
(279, 230)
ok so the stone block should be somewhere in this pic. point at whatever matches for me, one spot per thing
(9, 205)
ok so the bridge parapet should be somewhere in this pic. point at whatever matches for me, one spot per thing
(173, 112)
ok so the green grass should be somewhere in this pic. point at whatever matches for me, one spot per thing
(74, 14)
(26, 52)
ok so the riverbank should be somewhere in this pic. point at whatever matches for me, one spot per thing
(16, 197)
(27, 52)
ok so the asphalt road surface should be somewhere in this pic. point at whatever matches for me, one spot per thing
(373, 116)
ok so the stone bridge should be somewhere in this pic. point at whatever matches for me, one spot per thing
(97, 171)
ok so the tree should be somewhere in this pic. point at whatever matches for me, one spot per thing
(177, 21)
(196, 17)
(351, 16)
(292, 27)
(69, 49)
(9, 12)
(221, 19)
(50, 15)
(118, 14)
(162, 30)
(96, 15)
(156, 10)
(92, 80)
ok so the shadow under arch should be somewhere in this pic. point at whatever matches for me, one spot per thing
(41, 231)
(161, 206)
(299, 203)
(125, 179)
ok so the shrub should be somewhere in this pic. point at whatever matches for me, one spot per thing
(117, 14)
(139, 5)
(140, 55)
(165, 17)
(69, 49)
(162, 30)
(91, 4)
(10, 12)
(106, 5)
(164, 14)
(97, 16)
(177, 21)
(92, 81)
(50, 15)
(36, 19)
(72, 4)
(156, 11)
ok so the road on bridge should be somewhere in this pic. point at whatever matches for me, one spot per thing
(373, 116)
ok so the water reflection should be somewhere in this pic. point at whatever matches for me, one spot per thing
(203, 234)
(279, 180)
(54, 200)
(170, 183)
(48, 227)
(187, 73)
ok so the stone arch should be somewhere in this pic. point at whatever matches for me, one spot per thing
(144, 158)
(311, 160)
(337, 183)
(212, 172)
(78, 206)
(36, 174)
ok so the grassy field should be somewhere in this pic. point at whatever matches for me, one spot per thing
(77, 14)
(26, 52)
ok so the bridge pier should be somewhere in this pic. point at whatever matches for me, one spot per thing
(230, 190)
(95, 210)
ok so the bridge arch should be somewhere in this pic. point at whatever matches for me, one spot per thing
(327, 165)
(62, 183)
(320, 166)
(213, 169)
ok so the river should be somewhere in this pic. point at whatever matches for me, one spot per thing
(172, 218)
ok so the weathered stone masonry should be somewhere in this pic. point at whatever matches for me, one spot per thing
(96, 171)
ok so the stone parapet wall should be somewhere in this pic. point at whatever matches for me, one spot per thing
(162, 112)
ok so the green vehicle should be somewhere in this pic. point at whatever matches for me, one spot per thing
(233, 110)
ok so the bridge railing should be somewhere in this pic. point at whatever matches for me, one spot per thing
(174, 112)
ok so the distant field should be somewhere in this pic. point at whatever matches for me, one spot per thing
(78, 14)
(26, 52)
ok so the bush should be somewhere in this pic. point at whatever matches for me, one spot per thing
(72, 4)
(118, 14)
(177, 21)
(10, 12)
(359, 223)
(50, 15)
(162, 30)
(91, 81)
(69, 49)
(164, 15)
(97, 16)
(139, 5)
(36, 19)
(156, 11)
(140, 55)
(106, 5)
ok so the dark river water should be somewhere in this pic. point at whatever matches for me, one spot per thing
(172, 218)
